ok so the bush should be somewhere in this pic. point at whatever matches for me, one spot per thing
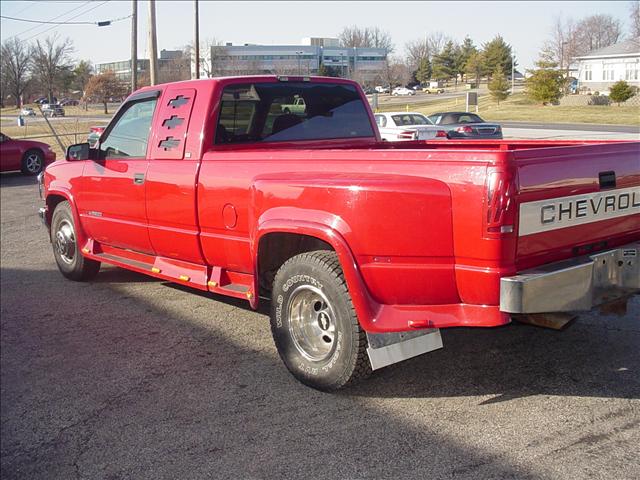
(544, 85)
(621, 92)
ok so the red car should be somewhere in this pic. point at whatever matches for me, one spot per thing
(28, 156)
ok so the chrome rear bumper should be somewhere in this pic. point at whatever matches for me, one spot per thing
(577, 284)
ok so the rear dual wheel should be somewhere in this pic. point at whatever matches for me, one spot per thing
(314, 324)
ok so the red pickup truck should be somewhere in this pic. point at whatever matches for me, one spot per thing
(365, 248)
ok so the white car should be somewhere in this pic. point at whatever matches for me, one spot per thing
(398, 126)
(402, 91)
(27, 112)
(381, 89)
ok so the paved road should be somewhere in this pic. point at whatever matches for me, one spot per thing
(131, 378)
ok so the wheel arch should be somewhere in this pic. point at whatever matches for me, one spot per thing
(290, 237)
(53, 199)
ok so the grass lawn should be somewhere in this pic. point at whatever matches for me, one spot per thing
(519, 108)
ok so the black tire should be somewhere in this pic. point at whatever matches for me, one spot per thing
(71, 263)
(32, 162)
(315, 280)
(286, 110)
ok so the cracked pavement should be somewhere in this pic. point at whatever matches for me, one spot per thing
(128, 377)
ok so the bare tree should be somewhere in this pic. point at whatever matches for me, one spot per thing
(563, 43)
(367, 37)
(436, 42)
(597, 31)
(50, 59)
(634, 14)
(417, 51)
(211, 56)
(15, 63)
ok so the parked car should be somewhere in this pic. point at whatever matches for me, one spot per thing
(369, 90)
(381, 89)
(297, 106)
(402, 91)
(28, 156)
(27, 112)
(466, 125)
(94, 135)
(435, 90)
(52, 110)
(69, 103)
(399, 126)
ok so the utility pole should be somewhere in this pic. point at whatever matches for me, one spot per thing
(196, 46)
(153, 44)
(134, 46)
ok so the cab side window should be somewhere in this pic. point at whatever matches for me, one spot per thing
(381, 120)
(129, 136)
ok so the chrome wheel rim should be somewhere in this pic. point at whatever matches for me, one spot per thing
(65, 242)
(312, 323)
(34, 163)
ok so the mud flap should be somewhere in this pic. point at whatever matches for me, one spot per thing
(388, 348)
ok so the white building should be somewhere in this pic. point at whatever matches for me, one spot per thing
(599, 69)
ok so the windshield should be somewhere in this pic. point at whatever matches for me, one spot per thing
(455, 118)
(410, 119)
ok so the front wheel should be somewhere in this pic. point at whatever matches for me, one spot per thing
(71, 263)
(314, 324)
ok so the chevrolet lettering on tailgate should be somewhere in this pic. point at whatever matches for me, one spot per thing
(555, 213)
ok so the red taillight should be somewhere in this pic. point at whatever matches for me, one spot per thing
(441, 134)
(499, 203)
(407, 134)
(465, 129)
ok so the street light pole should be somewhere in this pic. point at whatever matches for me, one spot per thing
(299, 54)
(513, 72)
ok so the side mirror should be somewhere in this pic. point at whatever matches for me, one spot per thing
(79, 151)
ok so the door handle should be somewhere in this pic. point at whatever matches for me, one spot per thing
(138, 178)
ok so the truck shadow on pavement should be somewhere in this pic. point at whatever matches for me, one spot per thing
(130, 379)
(16, 179)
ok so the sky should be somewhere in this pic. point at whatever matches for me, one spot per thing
(524, 25)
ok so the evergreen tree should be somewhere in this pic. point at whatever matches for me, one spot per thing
(423, 74)
(621, 92)
(544, 84)
(497, 53)
(444, 62)
(464, 53)
(475, 66)
(498, 86)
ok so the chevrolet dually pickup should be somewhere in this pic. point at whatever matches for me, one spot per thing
(365, 249)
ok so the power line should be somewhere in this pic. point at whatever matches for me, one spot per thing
(54, 18)
(66, 22)
(72, 18)
(45, 22)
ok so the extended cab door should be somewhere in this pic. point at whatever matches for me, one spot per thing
(174, 159)
(111, 200)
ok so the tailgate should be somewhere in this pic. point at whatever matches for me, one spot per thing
(576, 199)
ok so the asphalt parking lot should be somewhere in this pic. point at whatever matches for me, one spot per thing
(127, 377)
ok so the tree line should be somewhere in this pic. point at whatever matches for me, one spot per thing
(570, 38)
